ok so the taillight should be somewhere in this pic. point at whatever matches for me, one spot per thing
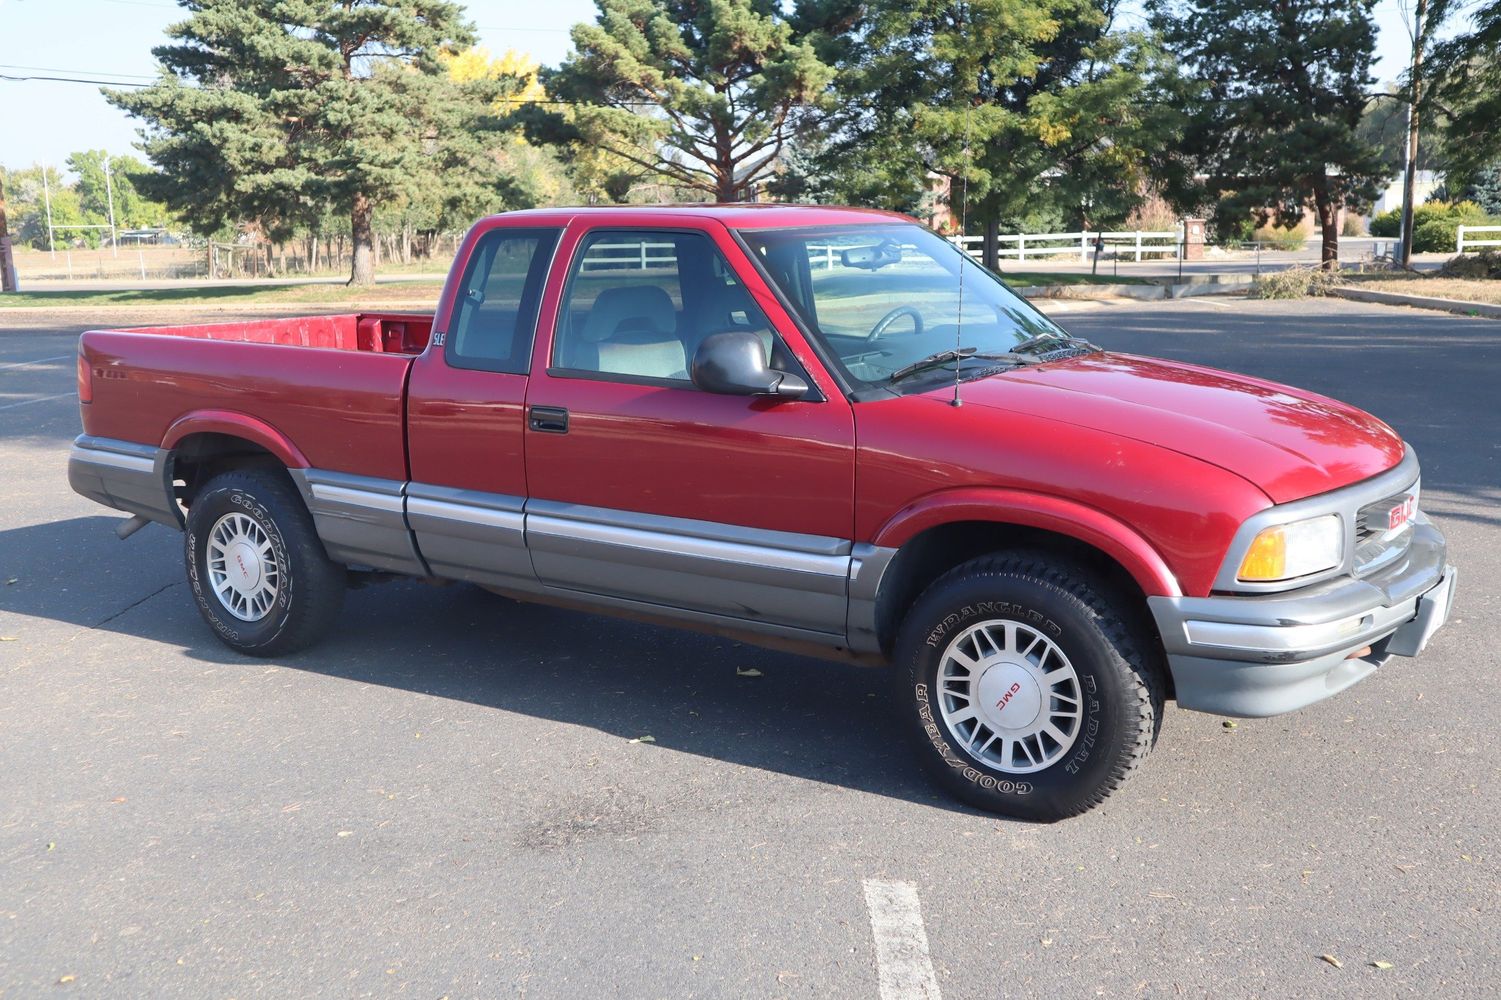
(85, 379)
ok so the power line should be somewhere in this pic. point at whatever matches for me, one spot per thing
(58, 69)
(70, 79)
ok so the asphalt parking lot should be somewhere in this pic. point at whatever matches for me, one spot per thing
(453, 796)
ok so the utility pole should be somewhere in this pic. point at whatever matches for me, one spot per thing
(1419, 35)
(109, 191)
(7, 260)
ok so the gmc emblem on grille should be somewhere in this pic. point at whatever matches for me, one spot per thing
(1401, 514)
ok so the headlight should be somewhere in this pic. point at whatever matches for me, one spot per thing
(1298, 548)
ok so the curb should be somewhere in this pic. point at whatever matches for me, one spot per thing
(1489, 310)
(1218, 285)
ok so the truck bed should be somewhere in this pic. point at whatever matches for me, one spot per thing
(379, 333)
(331, 384)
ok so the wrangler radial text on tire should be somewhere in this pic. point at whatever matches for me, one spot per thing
(1023, 688)
(258, 572)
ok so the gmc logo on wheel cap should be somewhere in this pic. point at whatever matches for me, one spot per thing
(1401, 514)
(1007, 697)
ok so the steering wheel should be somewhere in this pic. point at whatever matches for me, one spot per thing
(885, 321)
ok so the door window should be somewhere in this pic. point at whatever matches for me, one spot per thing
(640, 303)
(496, 316)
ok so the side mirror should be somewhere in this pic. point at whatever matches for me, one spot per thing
(734, 364)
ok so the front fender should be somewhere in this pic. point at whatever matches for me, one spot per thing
(1035, 510)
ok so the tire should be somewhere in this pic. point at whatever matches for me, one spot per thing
(1017, 618)
(280, 591)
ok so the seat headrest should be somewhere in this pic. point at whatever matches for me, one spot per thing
(645, 304)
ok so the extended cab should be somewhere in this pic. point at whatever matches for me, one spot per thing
(824, 429)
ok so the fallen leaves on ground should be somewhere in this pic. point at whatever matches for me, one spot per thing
(643, 739)
(747, 672)
(1379, 964)
(1332, 961)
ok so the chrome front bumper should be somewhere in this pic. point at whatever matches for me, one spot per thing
(1267, 654)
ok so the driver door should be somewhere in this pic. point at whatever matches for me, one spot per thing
(644, 489)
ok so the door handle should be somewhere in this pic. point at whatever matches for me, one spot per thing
(548, 419)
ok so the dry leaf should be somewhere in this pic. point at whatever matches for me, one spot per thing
(1333, 961)
(1379, 964)
(1229, 724)
(345, 833)
(643, 739)
(51, 847)
(7, 638)
(747, 672)
(12, 581)
(66, 979)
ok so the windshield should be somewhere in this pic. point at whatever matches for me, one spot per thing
(885, 297)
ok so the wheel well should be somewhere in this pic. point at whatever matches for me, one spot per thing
(198, 458)
(932, 553)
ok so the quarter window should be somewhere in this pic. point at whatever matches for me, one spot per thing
(496, 316)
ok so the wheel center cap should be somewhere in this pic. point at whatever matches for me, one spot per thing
(1009, 696)
(243, 567)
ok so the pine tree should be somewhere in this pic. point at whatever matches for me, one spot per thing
(1274, 118)
(270, 112)
(1030, 108)
(1469, 68)
(703, 94)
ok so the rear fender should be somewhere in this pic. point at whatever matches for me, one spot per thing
(238, 425)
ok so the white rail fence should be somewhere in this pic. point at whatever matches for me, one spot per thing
(1168, 243)
(1466, 243)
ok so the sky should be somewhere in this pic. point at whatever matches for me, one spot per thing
(44, 121)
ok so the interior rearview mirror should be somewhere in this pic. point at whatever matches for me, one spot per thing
(734, 364)
(872, 258)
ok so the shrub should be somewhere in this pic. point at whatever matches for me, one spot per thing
(1387, 224)
(1435, 235)
(1354, 225)
(1435, 224)
(1295, 283)
(1282, 239)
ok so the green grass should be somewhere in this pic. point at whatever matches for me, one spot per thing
(319, 294)
(1031, 279)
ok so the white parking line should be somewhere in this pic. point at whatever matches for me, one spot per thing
(903, 968)
(38, 361)
(39, 399)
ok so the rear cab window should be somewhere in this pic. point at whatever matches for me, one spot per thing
(495, 315)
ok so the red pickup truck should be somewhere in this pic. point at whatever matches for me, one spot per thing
(823, 429)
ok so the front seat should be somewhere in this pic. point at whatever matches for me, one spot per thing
(632, 330)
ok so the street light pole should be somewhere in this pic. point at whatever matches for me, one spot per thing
(1419, 35)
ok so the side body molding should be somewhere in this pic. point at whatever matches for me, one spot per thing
(361, 520)
(1036, 510)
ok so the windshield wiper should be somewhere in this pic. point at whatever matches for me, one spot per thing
(1032, 343)
(957, 354)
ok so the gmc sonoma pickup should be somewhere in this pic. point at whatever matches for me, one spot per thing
(818, 429)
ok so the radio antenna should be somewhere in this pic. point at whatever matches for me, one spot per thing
(963, 251)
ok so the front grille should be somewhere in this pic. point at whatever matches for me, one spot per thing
(1375, 543)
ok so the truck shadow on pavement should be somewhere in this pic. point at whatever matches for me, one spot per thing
(824, 721)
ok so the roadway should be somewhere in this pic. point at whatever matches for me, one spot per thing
(454, 795)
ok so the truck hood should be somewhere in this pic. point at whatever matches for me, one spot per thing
(1289, 443)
